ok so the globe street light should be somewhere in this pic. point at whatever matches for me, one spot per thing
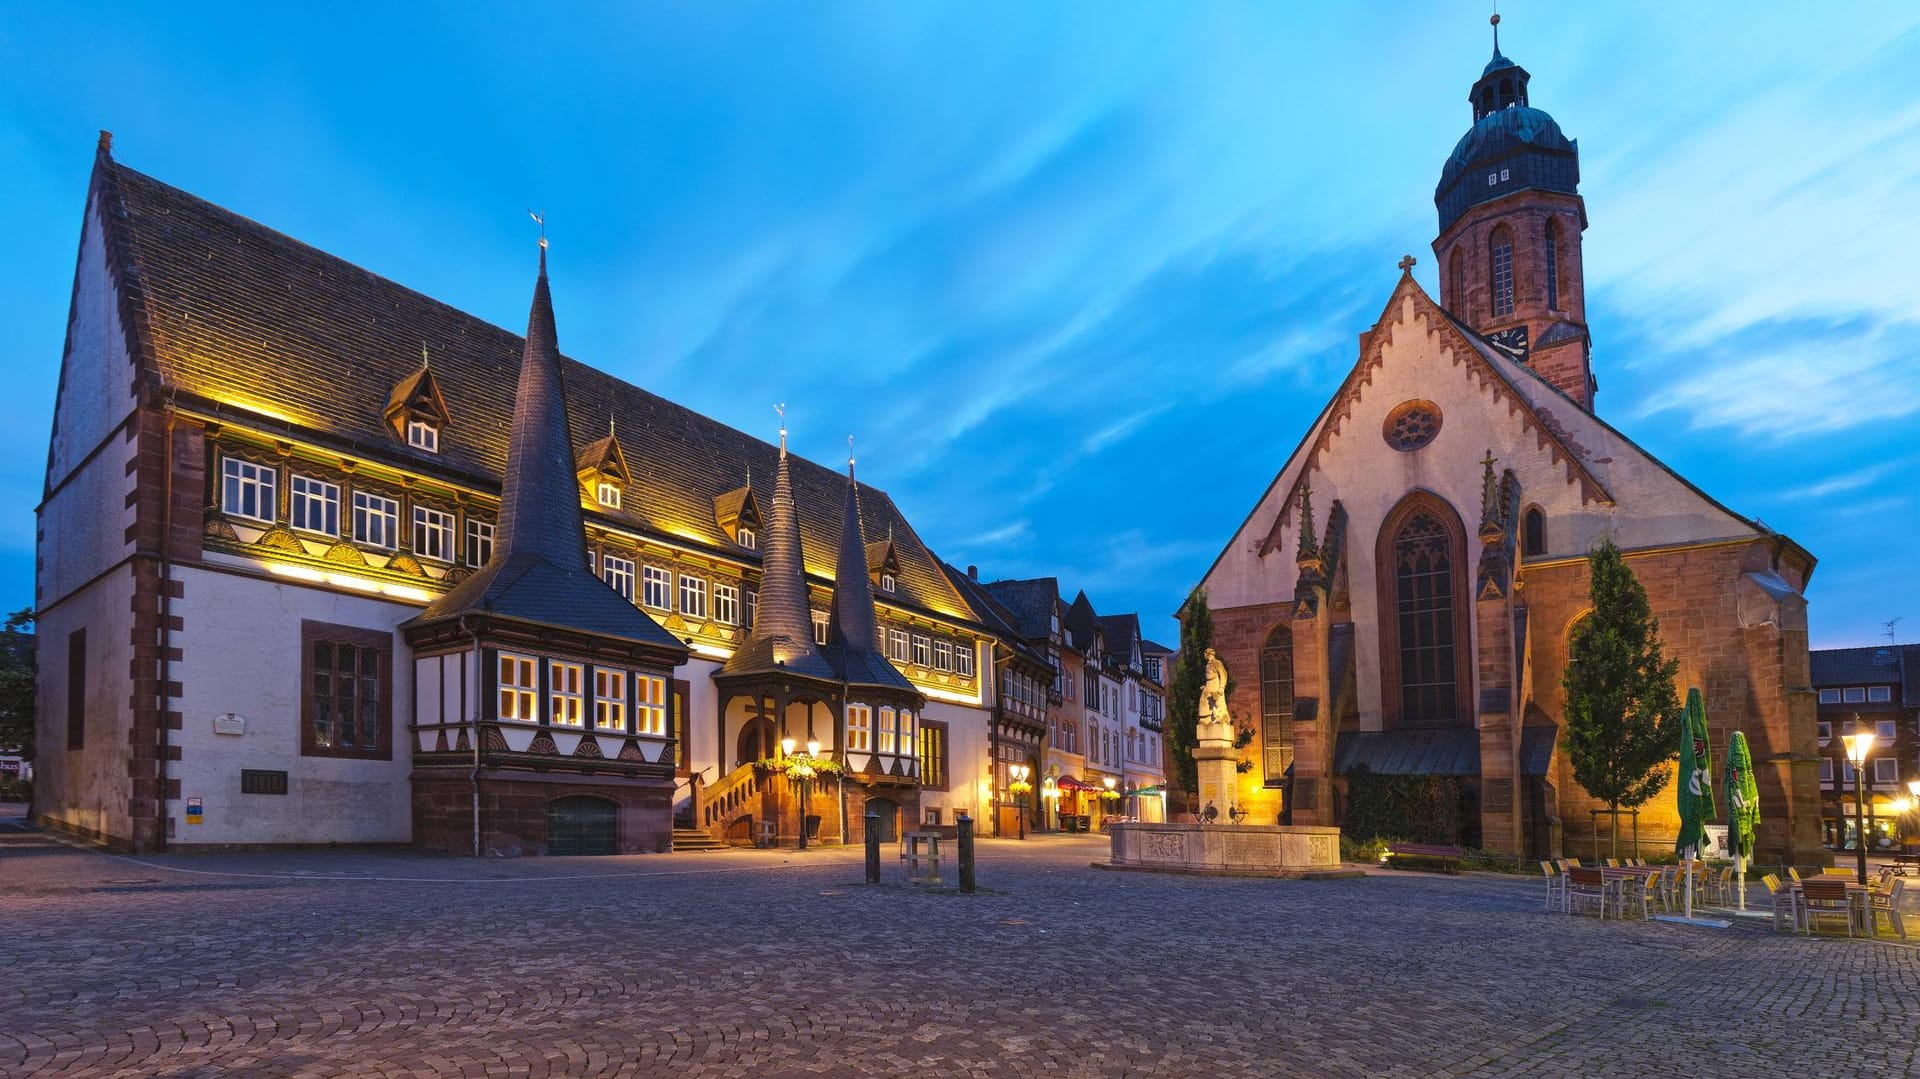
(1859, 748)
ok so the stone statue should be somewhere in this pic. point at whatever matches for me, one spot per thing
(1213, 692)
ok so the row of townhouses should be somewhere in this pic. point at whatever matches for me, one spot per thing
(322, 560)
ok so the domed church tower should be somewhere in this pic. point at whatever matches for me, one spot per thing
(1510, 223)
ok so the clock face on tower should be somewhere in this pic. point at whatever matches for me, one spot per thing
(1511, 342)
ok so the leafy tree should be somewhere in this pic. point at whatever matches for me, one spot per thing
(1183, 692)
(1623, 713)
(17, 684)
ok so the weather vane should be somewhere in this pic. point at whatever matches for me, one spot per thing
(781, 408)
(540, 220)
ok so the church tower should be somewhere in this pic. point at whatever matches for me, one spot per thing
(1510, 223)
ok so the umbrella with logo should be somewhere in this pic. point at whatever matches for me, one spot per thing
(1695, 793)
(1743, 807)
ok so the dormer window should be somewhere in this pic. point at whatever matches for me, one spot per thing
(422, 435)
(608, 495)
(887, 582)
(749, 539)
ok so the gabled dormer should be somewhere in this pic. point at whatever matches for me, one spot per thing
(738, 514)
(416, 412)
(602, 468)
(883, 566)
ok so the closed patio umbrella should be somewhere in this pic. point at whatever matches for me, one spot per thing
(1743, 808)
(1695, 794)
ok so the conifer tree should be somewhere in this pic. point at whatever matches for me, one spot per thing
(1183, 692)
(1623, 712)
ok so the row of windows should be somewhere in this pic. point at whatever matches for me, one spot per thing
(567, 700)
(892, 735)
(251, 491)
(1108, 746)
(1886, 771)
(922, 650)
(1500, 266)
(1857, 695)
(1884, 732)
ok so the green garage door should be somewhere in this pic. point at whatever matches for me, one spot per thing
(582, 825)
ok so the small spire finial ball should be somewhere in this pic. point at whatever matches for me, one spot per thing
(1495, 20)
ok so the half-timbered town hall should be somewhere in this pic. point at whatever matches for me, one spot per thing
(323, 560)
(1401, 597)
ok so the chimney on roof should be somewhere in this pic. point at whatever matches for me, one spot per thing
(106, 143)
(973, 572)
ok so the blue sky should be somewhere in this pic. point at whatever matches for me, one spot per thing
(1077, 275)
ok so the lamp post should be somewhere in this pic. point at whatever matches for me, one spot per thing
(1107, 800)
(1913, 788)
(1020, 787)
(1859, 748)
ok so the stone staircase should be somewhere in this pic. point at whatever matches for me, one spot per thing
(694, 839)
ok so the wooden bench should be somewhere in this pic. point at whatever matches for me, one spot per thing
(1437, 857)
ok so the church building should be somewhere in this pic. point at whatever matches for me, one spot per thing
(1401, 597)
(323, 560)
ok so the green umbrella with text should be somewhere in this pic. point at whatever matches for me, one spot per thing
(1743, 807)
(1695, 788)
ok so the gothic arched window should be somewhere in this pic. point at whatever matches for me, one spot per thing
(1423, 608)
(1276, 704)
(1533, 532)
(1500, 270)
(1553, 264)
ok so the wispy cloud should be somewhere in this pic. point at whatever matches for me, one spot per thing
(1846, 481)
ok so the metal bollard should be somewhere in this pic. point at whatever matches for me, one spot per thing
(963, 825)
(873, 848)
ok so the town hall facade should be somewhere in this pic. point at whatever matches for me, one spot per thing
(1401, 597)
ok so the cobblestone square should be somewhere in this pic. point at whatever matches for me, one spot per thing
(764, 963)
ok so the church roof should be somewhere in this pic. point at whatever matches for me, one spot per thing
(538, 571)
(244, 322)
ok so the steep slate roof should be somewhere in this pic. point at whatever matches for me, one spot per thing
(994, 615)
(1122, 631)
(1154, 648)
(538, 571)
(1031, 603)
(853, 633)
(1452, 751)
(284, 337)
(1871, 665)
(782, 634)
(1080, 622)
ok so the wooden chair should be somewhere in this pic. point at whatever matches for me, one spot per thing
(1786, 911)
(1586, 886)
(1642, 892)
(1887, 902)
(1556, 885)
(1826, 899)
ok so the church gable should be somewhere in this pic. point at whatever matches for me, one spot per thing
(1423, 405)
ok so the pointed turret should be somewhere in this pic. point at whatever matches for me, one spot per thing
(1493, 526)
(538, 572)
(782, 635)
(853, 635)
(539, 513)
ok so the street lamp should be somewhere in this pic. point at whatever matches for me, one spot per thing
(1859, 748)
(1020, 787)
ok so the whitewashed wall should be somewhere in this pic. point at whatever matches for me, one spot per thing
(241, 653)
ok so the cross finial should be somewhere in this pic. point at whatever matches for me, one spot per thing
(541, 220)
(1488, 460)
(1406, 263)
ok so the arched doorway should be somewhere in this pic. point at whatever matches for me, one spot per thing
(888, 826)
(583, 824)
(755, 742)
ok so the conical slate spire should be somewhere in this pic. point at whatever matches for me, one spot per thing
(539, 497)
(853, 623)
(782, 635)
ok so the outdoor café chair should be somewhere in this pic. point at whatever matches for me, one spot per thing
(1836, 871)
(1724, 887)
(1642, 892)
(1795, 874)
(1556, 885)
(1887, 902)
(1613, 863)
(1825, 899)
(1786, 912)
(1586, 886)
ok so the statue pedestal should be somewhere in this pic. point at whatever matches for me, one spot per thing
(1217, 767)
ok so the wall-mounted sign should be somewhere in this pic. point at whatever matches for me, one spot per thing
(196, 811)
(229, 723)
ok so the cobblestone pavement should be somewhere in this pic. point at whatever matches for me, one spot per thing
(770, 964)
